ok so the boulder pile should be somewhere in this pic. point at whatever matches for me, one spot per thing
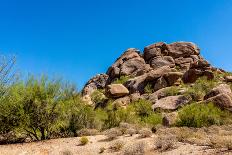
(160, 67)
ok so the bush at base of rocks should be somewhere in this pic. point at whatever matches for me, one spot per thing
(165, 142)
(145, 133)
(137, 148)
(117, 146)
(201, 114)
(113, 133)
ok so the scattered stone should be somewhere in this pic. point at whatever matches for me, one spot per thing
(117, 90)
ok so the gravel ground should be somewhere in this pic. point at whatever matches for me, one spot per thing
(71, 146)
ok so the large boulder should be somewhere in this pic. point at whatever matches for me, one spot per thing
(228, 78)
(158, 62)
(220, 96)
(129, 63)
(138, 83)
(117, 90)
(221, 89)
(154, 50)
(173, 78)
(171, 102)
(97, 82)
(182, 49)
(192, 75)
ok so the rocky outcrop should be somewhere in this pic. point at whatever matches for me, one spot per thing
(97, 82)
(116, 90)
(160, 66)
(130, 63)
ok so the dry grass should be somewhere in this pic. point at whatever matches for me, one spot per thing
(88, 132)
(117, 146)
(145, 133)
(113, 133)
(165, 142)
(137, 148)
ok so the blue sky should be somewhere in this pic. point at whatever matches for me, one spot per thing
(76, 39)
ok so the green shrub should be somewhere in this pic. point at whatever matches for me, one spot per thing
(153, 119)
(143, 107)
(172, 91)
(121, 80)
(200, 88)
(199, 115)
(84, 140)
(148, 88)
(98, 96)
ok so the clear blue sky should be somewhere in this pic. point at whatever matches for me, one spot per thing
(80, 38)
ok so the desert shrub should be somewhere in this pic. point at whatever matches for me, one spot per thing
(164, 143)
(143, 107)
(113, 133)
(102, 150)
(145, 133)
(82, 117)
(98, 96)
(117, 145)
(137, 148)
(148, 88)
(153, 119)
(221, 142)
(172, 91)
(87, 132)
(200, 88)
(130, 132)
(199, 115)
(84, 140)
(121, 80)
(41, 106)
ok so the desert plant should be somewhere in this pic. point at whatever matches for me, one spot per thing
(84, 140)
(200, 88)
(102, 150)
(98, 96)
(142, 107)
(148, 88)
(172, 91)
(145, 133)
(137, 148)
(113, 133)
(200, 114)
(131, 132)
(117, 145)
(165, 142)
(121, 80)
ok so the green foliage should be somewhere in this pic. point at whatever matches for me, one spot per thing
(84, 140)
(98, 96)
(200, 88)
(121, 80)
(143, 108)
(200, 114)
(148, 88)
(172, 91)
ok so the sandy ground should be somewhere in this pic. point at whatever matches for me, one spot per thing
(71, 146)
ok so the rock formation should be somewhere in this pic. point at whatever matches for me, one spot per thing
(161, 66)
